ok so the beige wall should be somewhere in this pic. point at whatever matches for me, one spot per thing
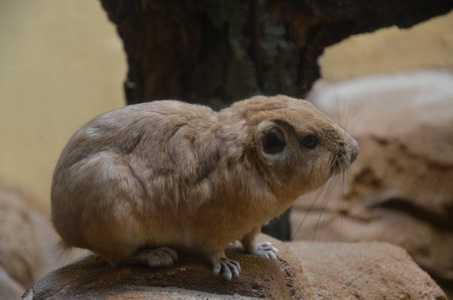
(61, 64)
(391, 50)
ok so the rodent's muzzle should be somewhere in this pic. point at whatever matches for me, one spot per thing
(354, 150)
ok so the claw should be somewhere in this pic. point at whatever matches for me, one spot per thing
(227, 268)
(226, 273)
(266, 250)
(217, 268)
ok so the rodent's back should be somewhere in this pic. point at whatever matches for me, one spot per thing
(117, 155)
(122, 130)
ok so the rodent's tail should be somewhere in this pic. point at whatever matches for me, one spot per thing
(60, 253)
(61, 249)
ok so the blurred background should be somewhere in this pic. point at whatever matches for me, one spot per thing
(64, 62)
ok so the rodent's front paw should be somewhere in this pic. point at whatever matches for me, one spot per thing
(227, 268)
(266, 250)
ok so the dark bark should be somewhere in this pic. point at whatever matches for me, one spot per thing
(216, 52)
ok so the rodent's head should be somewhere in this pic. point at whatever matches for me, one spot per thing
(296, 143)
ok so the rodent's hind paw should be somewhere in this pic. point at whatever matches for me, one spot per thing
(227, 268)
(266, 250)
(157, 258)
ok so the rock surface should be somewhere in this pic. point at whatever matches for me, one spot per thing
(402, 192)
(191, 277)
(25, 238)
(368, 270)
(363, 271)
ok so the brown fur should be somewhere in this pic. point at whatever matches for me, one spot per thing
(168, 173)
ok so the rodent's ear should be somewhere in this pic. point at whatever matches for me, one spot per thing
(272, 138)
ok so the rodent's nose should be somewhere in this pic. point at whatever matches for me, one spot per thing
(354, 150)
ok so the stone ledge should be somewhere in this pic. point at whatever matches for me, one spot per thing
(307, 271)
(371, 270)
(93, 278)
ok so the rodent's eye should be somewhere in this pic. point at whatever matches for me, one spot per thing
(310, 141)
(274, 141)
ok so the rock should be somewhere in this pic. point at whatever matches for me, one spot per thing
(190, 278)
(25, 238)
(20, 254)
(9, 287)
(363, 271)
(402, 191)
(369, 270)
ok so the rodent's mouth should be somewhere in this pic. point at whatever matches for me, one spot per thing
(339, 164)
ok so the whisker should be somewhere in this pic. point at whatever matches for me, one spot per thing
(342, 113)
(342, 198)
(324, 203)
(348, 115)
(358, 164)
(338, 113)
(312, 204)
(315, 99)
(351, 180)
(318, 194)
(356, 122)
